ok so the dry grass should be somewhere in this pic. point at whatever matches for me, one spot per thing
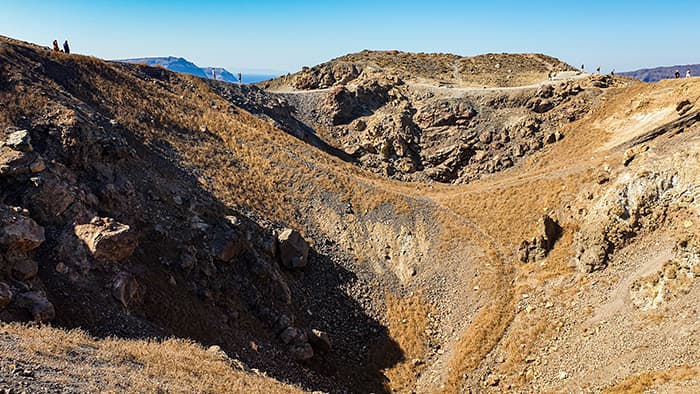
(407, 319)
(487, 328)
(645, 381)
(118, 365)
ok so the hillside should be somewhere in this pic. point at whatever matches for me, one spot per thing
(371, 226)
(490, 70)
(420, 118)
(659, 73)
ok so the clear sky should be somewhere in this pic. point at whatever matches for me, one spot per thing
(283, 36)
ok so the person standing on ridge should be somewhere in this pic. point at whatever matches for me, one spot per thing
(677, 74)
(583, 68)
(687, 73)
(66, 48)
(55, 46)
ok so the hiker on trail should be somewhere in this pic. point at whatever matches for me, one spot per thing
(612, 73)
(583, 68)
(240, 78)
(687, 73)
(213, 74)
(677, 74)
(66, 48)
(55, 46)
(597, 70)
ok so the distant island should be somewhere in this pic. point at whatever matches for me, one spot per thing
(666, 72)
(182, 65)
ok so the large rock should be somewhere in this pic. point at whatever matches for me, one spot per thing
(445, 113)
(297, 342)
(319, 340)
(302, 351)
(25, 269)
(38, 305)
(227, 245)
(19, 141)
(5, 295)
(14, 162)
(107, 239)
(19, 232)
(293, 249)
(127, 290)
(548, 231)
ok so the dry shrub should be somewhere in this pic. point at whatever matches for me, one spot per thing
(645, 381)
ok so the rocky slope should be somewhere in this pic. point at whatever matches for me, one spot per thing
(277, 229)
(396, 114)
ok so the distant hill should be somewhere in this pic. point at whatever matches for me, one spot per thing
(659, 73)
(176, 64)
(492, 69)
(182, 65)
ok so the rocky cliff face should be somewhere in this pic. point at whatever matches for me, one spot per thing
(410, 131)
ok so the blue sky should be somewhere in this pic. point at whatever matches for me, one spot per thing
(285, 35)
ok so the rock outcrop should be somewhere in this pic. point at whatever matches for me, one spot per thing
(636, 201)
(675, 278)
(536, 249)
(293, 249)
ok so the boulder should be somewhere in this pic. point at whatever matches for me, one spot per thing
(227, 245)
(291, 335)
(297, 342)
(127, 290)
(19, 232)
(540, 105)
(302, 351)
(445, 113)
(293, 249)
(319, 340)
(14, 162)
(25, 269)
(107, 239)
(5, 295)
(19, 141)
(38, 305)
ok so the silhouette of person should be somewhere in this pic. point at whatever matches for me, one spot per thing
(677, 74)
(66, 48)
(55, 46)
(583, 68)
(240, 78)
(687, 73)
(597, 70)
(612, 72)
